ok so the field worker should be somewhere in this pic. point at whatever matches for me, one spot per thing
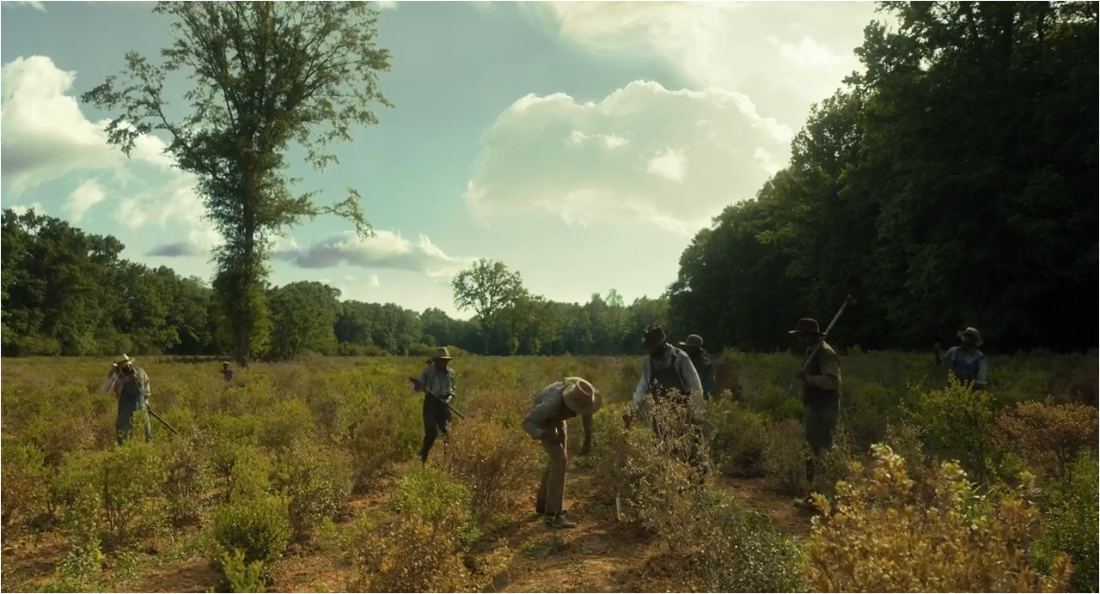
(131, 387)
(967, 362)
(438, 382)
(700, 358)
(667, 373)
(545, 422)
(227, 373)
(820, 380)
(586, 425)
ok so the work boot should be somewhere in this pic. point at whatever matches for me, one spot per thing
(558, 521)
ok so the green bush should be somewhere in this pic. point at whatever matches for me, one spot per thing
(259, 527)
(316, 481)
(956, 421)
(188, 478)
(742, 551)
(24, 484)
(738, 438)
(243, 470)
(1071, 524)
(427, 546)
(242, 576)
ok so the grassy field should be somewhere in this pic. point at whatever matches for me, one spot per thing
(302, 477)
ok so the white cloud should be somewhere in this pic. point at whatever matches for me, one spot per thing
(387, 5)
(385, 250)
(372, 281)
(85, 196)
(46, 137)
(784, 55)
(22, 208)
(551, 154)
(21, 3)
(668, 164)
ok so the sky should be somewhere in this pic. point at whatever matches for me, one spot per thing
(583, 144)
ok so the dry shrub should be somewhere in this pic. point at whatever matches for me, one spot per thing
(1048, 436)
(738, 438)
(785, 458)
(428, 546)
(493, 462)
(882, 536)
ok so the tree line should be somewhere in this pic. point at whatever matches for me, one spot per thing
(68, 292)
(953, 183)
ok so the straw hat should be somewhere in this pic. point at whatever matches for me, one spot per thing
(442, 353)
(972, 331)
(119, 360)
(580, 396)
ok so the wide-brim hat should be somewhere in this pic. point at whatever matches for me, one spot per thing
(693, 341)
(654, 336)
(972, 331)
(442, 354)
(123, 358)
(806, 326)
(580, 396)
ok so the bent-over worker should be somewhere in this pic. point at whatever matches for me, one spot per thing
(558, 402)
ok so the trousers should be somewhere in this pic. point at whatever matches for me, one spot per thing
(819, 423)
(552, 486)
(436, 416)
(131, 404)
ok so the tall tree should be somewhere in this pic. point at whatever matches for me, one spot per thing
(265, 74)
(489, 288)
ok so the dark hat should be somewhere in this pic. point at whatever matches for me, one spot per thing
(806, 326)
(442, 353)
(654, 336)
(693, 340)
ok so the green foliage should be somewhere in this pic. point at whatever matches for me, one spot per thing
(188, 478)
(24, 484)
(907, 188)
(1071, 525)
(242, 576)
(427, 547)
(744, 552)
(259, 527)
(129, 480)
(956, 421)
(739, 436)
(241, 125)
(316, 481)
